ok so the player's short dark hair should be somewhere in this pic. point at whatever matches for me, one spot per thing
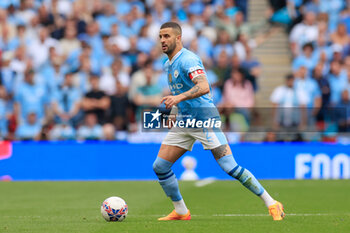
(172, 25)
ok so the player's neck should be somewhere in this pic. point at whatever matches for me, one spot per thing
(172, 55)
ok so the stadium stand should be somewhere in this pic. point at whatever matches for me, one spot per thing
(82, 69)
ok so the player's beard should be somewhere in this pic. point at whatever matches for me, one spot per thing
(171, 48)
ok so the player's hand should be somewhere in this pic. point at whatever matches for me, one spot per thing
(170, 101)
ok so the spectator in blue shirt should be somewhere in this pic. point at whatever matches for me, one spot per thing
(66, 104)
(337, 79)
(30, 97)
(144, 43)
(230, 8)
(76, 58)
(131, 24)
(82, 76)
(223, 44)
(53, 73)
(7, 75)
(309, 86)
(324, 87)
(312, 5)
(21, 38)
(345, 19)
(322, 47)
(106, 56)
(307, 59)
(160, 13)
(3, 112)
(90, 130)
(123, 7)
(148, 95)
(30, 128)
(4, 4)
(252, 67)
(332, 8)
(304, 83)
(94, 39)
(62, 132)
(343, 112)
(107, 19)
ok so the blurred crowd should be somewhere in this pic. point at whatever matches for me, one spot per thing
(83, 69)
(316, 94)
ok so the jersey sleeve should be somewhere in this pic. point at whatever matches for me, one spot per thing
(193, 67)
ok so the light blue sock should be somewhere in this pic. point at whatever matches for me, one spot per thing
(229, 165)
(167, 178)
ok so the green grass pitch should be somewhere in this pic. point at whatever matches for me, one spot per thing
(223, 206)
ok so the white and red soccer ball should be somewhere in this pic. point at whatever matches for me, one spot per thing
(114, 209)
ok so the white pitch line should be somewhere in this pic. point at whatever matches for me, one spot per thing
(205, 182)
(214, 215)
(264, 215)
(248, 215)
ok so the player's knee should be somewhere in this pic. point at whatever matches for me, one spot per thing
(156, 167)
(161, 166)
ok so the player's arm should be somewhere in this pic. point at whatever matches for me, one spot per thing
(200, 88)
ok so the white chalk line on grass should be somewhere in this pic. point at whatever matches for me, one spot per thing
(213, 215)
(264, 215)
(251, 215)
(204, 182)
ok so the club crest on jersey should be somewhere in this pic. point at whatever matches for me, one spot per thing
(176, 73)
(170, 78)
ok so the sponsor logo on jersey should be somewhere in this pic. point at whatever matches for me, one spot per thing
(176, 86)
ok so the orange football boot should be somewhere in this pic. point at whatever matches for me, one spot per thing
(277, 211)
(175, 216)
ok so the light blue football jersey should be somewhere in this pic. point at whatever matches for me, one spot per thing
(179, 69)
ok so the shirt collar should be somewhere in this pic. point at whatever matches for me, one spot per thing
(176, 56)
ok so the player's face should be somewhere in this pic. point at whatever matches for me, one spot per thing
(167, 38)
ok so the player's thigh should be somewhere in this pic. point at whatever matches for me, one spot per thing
(180, 138)
(170, 153)
(214, 140)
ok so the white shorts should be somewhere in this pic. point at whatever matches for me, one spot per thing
(185, 138)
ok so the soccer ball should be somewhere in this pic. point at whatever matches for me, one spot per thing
(114, 209)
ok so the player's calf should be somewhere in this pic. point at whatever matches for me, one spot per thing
(229, 165)
(168, 181)
(167, 178)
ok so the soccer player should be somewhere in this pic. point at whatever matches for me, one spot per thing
(191, 93)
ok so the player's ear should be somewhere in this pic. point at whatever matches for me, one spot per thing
(178, 38)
